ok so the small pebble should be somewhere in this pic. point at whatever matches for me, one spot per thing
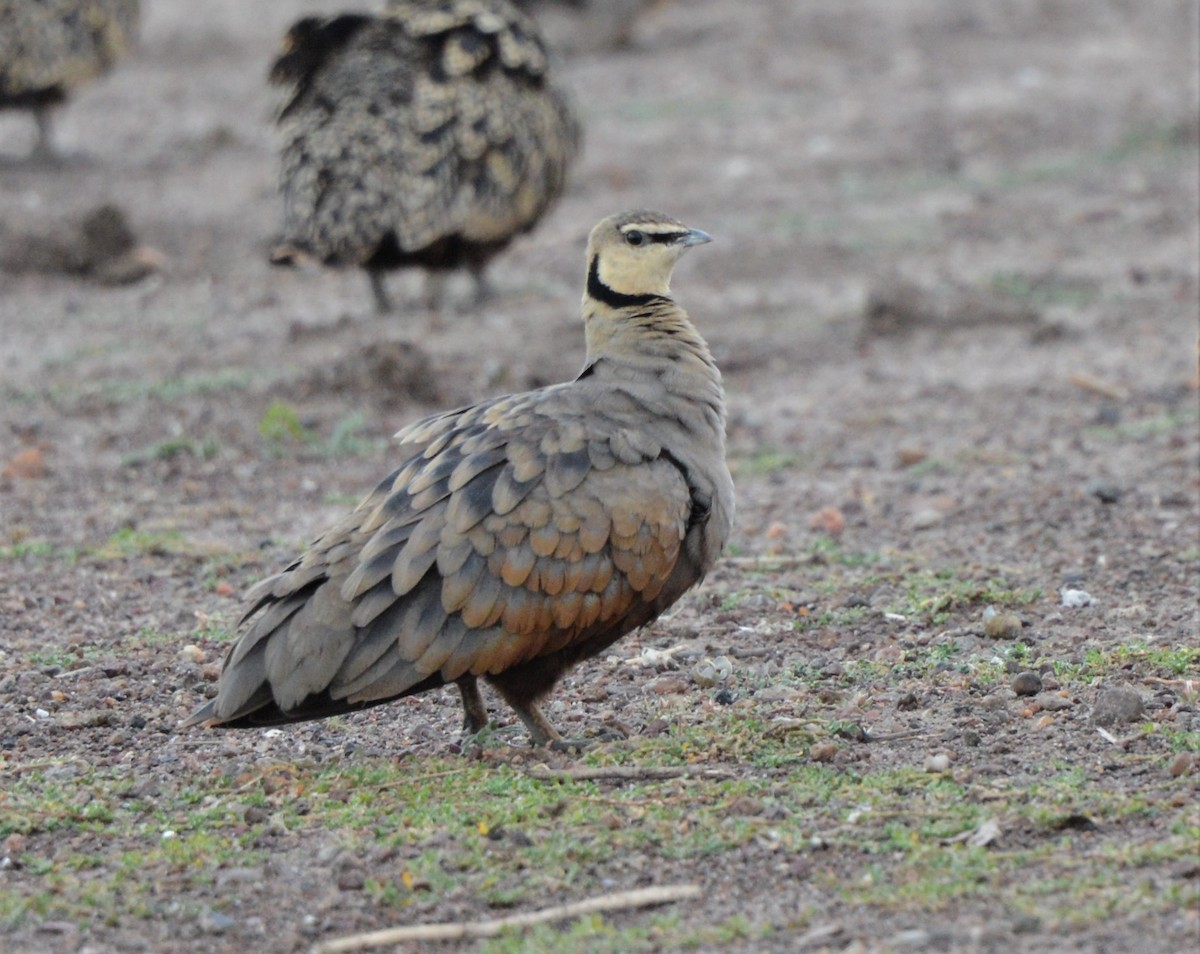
(254, 815)
(192, 653)
(927, 517)
(1002, 626)
(669, 685)
(15, 844)
(1105, 491)
(746, 805)
(214, 922)
(1027, 684)
(1117, 705)
(352, 880)
(937, 763)
(1074, 599)
(1053, 702)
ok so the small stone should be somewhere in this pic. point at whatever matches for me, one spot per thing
(1074, 599)
(927, 517)
(1117, 705)
(1182, 764)
(746, 805)
(352, 880)
(823, 752)
(86, 718)
(669, 685)
(829, 520)
(1027, 684)
(937, 763)
(1105, 491)
(26, 464)
(1002, 626)
(1053, 702)
(1026, 924)
(214, 922)
(777, 531)
(254, 815)
(912, 939)
(15, 845)
(192, 653)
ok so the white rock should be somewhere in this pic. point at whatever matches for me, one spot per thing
(1074, 599)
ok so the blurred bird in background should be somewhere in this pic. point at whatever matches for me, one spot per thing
(50, 48)
(427, 136)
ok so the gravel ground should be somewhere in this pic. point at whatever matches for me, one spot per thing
(954, 293)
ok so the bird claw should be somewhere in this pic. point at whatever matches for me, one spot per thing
(603, 735)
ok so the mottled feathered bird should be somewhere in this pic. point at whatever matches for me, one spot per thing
(49, 48)
(428, 136)
(518, 536)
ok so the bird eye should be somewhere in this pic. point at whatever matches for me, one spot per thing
(634, 237)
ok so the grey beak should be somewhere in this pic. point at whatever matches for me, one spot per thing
(695, 237)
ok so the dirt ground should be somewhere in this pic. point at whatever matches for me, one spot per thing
(953, 290)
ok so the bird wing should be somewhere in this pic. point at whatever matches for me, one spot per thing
(515, 529)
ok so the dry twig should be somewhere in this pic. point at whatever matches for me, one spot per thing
(1089, 382)
(460, 930)
(584, 773)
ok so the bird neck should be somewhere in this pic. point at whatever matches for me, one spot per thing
(649, 344)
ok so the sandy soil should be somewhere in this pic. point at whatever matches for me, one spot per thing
(954, 293)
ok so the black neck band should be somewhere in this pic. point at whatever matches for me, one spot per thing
(614, 299)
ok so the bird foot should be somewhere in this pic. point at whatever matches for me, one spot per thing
(574, 746)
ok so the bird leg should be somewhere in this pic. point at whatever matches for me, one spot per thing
(540, 729)
(434, 294)
(542, 732)
(43, 150)
(383, 302)
(475, 714)
(483, 286)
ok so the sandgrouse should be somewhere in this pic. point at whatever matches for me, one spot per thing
(49, 48)
(518, 536)
(427, 136)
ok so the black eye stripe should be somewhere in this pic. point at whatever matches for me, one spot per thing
(664, 238)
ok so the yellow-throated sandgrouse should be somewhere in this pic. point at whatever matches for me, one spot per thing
(427, 136)
(518, 536)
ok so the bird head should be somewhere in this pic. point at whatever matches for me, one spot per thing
(310, 42)
(631, 255)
